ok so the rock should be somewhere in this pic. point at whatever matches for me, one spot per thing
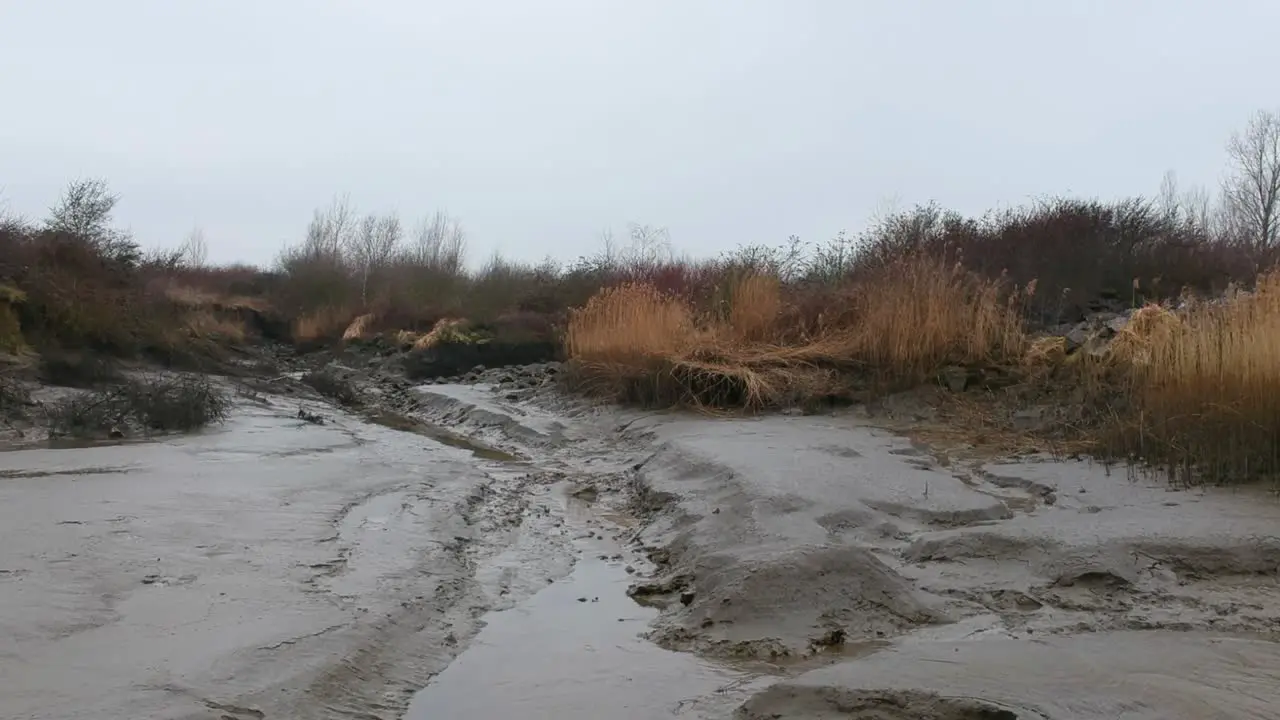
(1118, 323)
(1077, 336)
(956, 378)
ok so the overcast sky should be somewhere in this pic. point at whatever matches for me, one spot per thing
(541, 123)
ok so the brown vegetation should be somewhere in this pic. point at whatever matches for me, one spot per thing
(1201, 387)
(922, 297)
(896, 328)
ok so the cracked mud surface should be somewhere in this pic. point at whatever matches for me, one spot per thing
(549, 559)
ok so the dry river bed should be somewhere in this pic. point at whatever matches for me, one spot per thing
(543, 559)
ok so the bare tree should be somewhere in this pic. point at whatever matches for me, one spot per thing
(1251, 191)
(194, 251)
(85, 210)
(1170, 202)
(371, 248)
(1191, 207)
(440, 244)
(330, 231)
(10, 222)
(650, 245)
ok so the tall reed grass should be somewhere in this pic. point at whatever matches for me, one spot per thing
(899, 325)
(1199, 398)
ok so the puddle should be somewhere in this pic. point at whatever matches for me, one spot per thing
(574, 651)
(444, 437)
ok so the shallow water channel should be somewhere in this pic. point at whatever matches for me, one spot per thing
(574, 650)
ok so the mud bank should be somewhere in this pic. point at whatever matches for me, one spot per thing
(783, 544)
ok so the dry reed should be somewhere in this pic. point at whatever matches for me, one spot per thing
(755, 302)
(359, 328)
(445, 330)
(207, 325)
(629, 323)
(897, 327)
(1200, 393)
(324, 324)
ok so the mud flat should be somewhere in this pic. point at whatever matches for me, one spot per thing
(1153, 675)
(857, 574)
(491, 553)
(271, 568)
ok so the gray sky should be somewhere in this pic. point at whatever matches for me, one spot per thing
(540, 124)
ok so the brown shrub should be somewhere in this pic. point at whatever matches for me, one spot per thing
(209, 325)
(78, 299)
(11, 339)
(324, 325)
(446, 330)
(1085, 255)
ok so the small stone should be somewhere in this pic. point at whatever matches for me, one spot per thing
(956, 378)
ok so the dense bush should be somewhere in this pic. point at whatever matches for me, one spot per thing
(159, 404)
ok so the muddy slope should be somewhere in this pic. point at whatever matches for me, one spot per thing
(781, 535)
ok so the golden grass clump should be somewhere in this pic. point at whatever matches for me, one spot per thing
(406, 337)
(1045, 352)
(755, 301)
(359, 328)
(911, 318)
(1149, 329)
(1202, 387)
(446, 330)
(629, 323)
(898, 327)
